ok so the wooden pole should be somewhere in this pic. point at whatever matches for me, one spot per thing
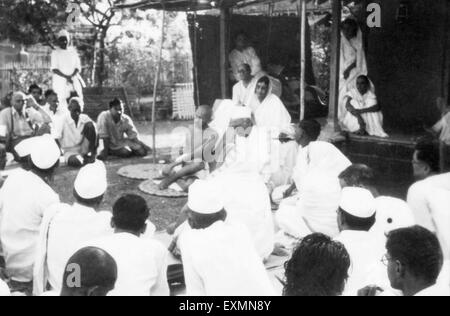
(335, 65)
(224, 20)
(302, 57)
(155, 87)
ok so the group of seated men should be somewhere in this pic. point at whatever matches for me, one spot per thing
(76, 133)
(271, 189)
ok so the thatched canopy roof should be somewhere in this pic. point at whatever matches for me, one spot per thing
(197, 5)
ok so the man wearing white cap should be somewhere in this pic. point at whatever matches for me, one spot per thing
(219, 258)
(356, 216)
(77, 135)
(142, 262)
(24, 198)
(66, 68)
(66, 227)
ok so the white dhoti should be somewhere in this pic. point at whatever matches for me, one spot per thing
(64, 89)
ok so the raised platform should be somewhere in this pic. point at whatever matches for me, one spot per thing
(390, 157)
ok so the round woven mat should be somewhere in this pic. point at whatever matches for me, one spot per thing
(151, 188)
(141, 172)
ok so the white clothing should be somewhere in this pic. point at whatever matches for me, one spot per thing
(373, 120)
(141, 262)
(4, 289)
(66, 61)
(435, 290)
(392, 214)
(351, 52)
(65, 228)
(313, 209)
(322, 156)
(69, 134)
(247, 56)
(428, 200)
(24, 198)
(242, 95)
(221, 261)
(365, 251)
(271, 113)
(443, 128)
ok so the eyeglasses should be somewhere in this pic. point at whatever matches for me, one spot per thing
(385, 260)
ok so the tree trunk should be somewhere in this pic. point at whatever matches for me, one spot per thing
(94, 62)
(101, 61)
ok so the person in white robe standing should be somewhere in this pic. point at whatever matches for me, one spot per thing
(364, 116)
(219, 257)
(66, 69)
(66, 227)
(353, 62)
(142, 262)
(24, 198)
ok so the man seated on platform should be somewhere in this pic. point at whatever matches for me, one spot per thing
(20, 122)
(364, 116)
(76, 134)
(244, 90)
(194, 163)
(120, 136)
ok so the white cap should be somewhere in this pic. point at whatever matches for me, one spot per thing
(358, 202)
(64, 33)
(91, 181)
(241, 112)
(205, 198)
(43, 150)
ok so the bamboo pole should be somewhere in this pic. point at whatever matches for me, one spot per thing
(155, 87)
(302, 15)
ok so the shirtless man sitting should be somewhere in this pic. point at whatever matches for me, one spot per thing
(192, 165)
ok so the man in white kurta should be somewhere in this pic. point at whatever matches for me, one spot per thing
(66, 227)
(365, 249)
(219, 259)
(141, 262)
(244, 90)
(363, 115)
(442, 128)
(66, 68)
(77, 135)
(24, 198)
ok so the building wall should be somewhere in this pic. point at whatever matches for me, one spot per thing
(407, 62)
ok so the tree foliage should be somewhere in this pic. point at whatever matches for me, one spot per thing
(31, 21)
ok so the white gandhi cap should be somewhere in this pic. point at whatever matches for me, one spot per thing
(205, 198)
(91, 181)
(358, 202)
(43, 150)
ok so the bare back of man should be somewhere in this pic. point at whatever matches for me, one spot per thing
(187, 168)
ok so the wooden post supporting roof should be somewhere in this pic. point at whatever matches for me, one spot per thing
(224, 24)
(303, 21)
(331, 132)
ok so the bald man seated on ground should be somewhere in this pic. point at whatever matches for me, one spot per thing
(97, 273)
(198, 157)
(24, 119)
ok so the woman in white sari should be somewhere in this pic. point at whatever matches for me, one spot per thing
(353, 62)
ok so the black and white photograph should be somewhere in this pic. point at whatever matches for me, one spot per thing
(224, 153)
